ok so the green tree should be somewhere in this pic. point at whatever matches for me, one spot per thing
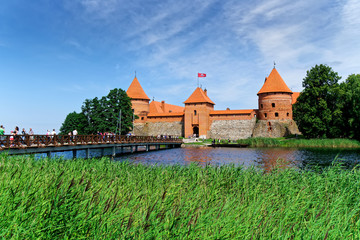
(318, 110)
(103, 114)
(73, 121)
(117, 100)
(351, 109)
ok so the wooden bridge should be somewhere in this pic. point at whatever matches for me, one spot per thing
(32, 144)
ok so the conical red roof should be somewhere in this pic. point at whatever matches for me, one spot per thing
(274, 83)
(135, 91)
(199, 96)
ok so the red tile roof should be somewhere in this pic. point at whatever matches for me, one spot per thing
(274, 83)
(295, 96)
(199, 96)
(135, 91)
(231, 112)
(172, 114)
(156, 107)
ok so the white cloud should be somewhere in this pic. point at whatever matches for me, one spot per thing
(78, 46)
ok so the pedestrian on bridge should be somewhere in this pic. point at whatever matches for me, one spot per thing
(2, 132)
(31, 134)
(16, 131)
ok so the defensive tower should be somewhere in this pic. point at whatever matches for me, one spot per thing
(139, 100)
(197, 113)
(275, 99)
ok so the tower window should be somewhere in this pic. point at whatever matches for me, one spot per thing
(276, 114)
(261, 105)
(266, 115)
(142, 118)
(273, 104)
(195, 112)
(287, 114)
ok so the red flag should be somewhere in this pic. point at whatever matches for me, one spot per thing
(201, 74)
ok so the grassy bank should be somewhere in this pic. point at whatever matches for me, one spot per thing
(283, 142)
(100, 199)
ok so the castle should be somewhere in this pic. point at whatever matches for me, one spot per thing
(273, 118)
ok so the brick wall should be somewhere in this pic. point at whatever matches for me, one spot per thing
(275, 106)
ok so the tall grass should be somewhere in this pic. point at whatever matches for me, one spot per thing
(100, 199)
(282, 142)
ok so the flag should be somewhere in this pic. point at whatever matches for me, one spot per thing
(201, 74)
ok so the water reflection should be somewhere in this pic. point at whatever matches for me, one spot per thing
(269, 159)
(266, 158)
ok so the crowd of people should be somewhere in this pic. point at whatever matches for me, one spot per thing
(16, 131)
(23, 132)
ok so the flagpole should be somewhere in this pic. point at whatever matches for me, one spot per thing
(198, 81)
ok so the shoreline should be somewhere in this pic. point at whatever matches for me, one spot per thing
(283, 143)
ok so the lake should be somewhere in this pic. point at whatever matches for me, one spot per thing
(265, 158)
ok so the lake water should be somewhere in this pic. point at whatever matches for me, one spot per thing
(265, 158)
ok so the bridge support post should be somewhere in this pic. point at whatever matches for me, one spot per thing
(87, 153)
(157, 147)
(74, 153)
(132, 149)
(121, 149)
(102, 151)
(147, 147)
(136, 148)
(48, 154)
(113, 152)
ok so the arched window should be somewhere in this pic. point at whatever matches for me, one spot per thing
(276, 114)
(273, 104)
(195, 112)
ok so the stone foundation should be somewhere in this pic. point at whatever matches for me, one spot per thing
(159, 128)
(224, 129)
(231, 129)
(275, 128)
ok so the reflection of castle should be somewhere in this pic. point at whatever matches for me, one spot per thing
(198, 117)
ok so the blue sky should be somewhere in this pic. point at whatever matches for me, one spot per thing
(56, 54)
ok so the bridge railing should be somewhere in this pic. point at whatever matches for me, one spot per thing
(25, 141)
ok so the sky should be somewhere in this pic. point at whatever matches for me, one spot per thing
(56, 54)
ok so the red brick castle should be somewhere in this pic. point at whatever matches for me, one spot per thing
(273, 118)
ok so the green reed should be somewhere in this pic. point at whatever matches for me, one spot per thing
(102, 199)
(282, 142)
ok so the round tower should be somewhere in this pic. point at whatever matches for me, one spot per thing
(139, 100)
(275, 99)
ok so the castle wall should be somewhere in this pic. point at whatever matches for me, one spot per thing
(214, 117)
(165, 118)
(159, 128)
(232, 129)
(275, 128)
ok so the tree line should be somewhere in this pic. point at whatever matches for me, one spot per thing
(327, 108)
(102, 115)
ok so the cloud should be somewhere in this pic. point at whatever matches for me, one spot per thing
(78, 46)
(235, 42)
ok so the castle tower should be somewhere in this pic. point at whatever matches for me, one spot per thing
(197, 113)
(139, 100)
(275, 99)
